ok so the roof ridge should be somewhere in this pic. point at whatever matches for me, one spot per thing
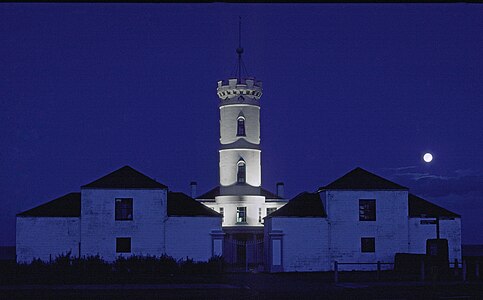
(361, 179)
(125, 177)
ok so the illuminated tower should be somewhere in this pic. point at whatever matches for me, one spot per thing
(239, 196)
(240, 165)
(240, 132)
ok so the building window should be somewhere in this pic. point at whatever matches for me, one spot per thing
(271, 210)
(123, 245)
(241, 127)
(222, 213)
(241, 174)
(368, 244)
(259, 215)
(123, 209)
(367, 210)
(241, 214)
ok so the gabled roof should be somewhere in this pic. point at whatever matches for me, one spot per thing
(303, 205)
(180, 204)
(360, 179)
(125, 178)
(68, 205)
(418, 207)
(211, 194)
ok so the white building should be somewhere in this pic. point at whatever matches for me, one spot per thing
(122, 213)
(358, 218)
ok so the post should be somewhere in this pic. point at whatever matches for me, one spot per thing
(477, 269)
(246, 256)
(378, 270)
(336, 272)
(421, 275)
(437, 228)
(463, 272)
(455, 267)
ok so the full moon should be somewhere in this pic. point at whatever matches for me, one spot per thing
(428, 157)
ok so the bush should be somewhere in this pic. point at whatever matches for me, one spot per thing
(93, 269)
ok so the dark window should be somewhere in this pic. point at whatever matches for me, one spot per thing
(222, 213)
(241, 172)
(368, 244)
(241, 214)
(123, 209)
(123, 245)
(271, 210)
(241, 127)
(259, 215)
(367, 210)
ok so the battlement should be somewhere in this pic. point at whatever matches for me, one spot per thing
(236, 87)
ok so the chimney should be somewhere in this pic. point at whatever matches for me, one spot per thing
(193, 185)
(280, 187)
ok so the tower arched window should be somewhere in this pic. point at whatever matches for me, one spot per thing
(240, 127)
(241, 174)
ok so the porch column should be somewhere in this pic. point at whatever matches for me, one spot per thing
(276, 251)
(217, 237)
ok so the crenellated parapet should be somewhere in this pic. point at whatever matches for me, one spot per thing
(228, 89)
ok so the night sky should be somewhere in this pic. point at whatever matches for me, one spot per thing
(88, 88)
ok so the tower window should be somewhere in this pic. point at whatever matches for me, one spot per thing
(123, 209)
(241, 214)
(222, 213)
(241, 174)
(241, 127)
(259, 215)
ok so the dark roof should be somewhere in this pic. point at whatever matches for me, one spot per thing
(211, 194)
(303, 205)
(180, 204)
(66, 206)
(125, 178)
(360, 179)
(419, 207)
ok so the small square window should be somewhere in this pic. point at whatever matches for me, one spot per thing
(367, 210)
(123, 209)
(123, 245)
(368, 244)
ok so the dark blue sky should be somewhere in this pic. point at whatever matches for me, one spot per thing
(88, 88)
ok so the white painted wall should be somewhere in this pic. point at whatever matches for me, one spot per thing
(345, 230)
(190, 237)
(229, 159)
(449, 229)
(229, 123)
(46, 237)
(99, 228)
(304, 243)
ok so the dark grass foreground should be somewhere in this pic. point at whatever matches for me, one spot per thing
(94, 270)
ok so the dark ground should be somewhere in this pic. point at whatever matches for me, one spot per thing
(258, 286)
